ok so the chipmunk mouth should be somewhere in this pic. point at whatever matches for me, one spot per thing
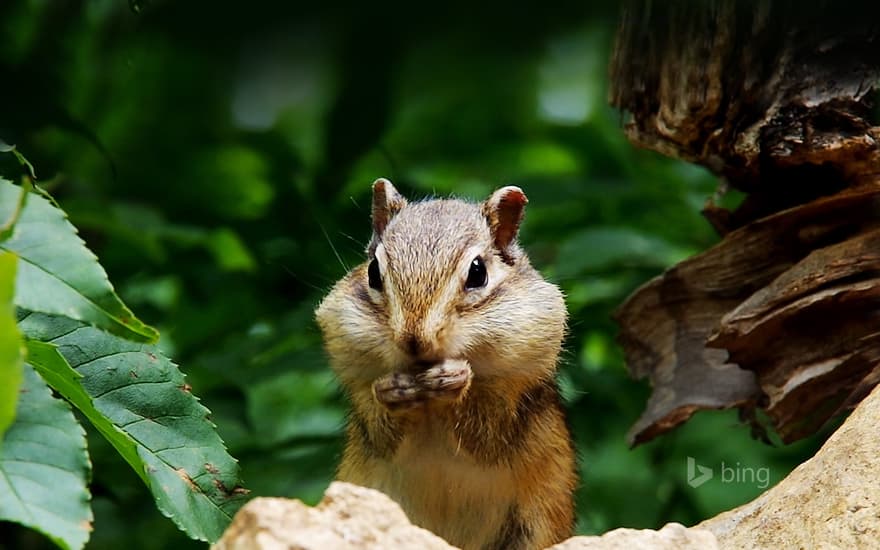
(421, 365)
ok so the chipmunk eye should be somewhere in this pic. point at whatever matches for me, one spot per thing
(374, 276)
(477, 276)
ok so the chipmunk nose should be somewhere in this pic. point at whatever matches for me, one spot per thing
(423, 352)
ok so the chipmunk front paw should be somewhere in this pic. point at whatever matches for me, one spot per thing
(398, 391)
(446, 381)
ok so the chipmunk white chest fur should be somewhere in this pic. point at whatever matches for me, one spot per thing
(446, 343)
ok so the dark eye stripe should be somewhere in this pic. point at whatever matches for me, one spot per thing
(364, 298)
(495, 294)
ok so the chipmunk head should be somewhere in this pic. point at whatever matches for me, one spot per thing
(444, 279)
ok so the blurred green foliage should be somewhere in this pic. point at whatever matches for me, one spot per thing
(218, 157)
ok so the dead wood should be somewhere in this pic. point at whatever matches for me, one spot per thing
(783, 314)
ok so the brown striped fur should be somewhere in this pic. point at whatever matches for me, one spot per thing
(454, 407)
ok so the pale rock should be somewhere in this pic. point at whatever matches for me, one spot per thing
(830, 501)
(673, 536)
(347, 517)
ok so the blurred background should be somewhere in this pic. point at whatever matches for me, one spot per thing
(218, 157)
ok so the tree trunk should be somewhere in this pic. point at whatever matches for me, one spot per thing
(783, 315)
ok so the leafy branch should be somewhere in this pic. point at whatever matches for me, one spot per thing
(74, 335)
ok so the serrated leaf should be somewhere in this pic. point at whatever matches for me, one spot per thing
(55, 370)
(11, 349)
(57, 274)
(9, 225)
(193, 479)
(44, 468)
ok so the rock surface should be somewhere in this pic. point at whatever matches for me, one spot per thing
(830, 501)
(348, 517)
(673, 536)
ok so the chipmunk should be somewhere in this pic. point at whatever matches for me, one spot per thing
(446, 341)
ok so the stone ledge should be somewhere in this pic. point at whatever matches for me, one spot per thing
(830, 501)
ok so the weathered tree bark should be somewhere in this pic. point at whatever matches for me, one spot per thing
(783, 315)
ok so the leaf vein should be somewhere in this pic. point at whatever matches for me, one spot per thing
(21, 501)
(77, 292)
(37, 462)
(124, 386)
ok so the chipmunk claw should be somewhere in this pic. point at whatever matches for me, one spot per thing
(397, 390)
(448, 380)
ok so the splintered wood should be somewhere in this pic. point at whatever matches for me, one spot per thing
(783, 315)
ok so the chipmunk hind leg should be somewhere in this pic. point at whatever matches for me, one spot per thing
(513, 535)
(534, 527)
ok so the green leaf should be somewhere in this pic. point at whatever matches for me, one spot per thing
(7, 228)
(191, 476)
(11, 349)
(229, 250)
(53, 367)
(294, 404)
(44, 468)
(599, 248)
(57, 274)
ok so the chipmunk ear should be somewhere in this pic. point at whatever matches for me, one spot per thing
(504, 210)
(387, 202)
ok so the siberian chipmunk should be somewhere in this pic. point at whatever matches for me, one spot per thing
(446, 343)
